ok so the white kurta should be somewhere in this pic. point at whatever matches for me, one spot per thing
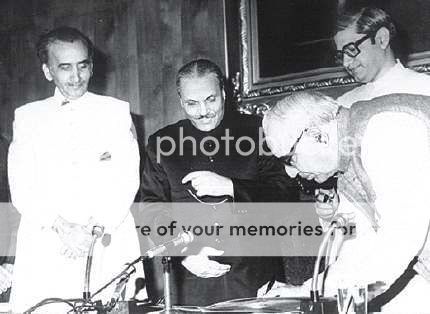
(79, 161)
(397, 80)
(396, 157)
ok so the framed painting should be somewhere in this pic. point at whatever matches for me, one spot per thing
(286, 45)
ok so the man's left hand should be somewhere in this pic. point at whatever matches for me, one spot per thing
(209, 183)
(203, 267)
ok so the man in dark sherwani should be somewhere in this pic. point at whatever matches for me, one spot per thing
(215, 171)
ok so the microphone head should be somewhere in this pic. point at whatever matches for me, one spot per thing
(98, 231)
(186, 237)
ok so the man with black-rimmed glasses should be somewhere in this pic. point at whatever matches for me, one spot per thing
(364, 42)
(379, 151)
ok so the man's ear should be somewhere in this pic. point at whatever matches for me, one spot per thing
(321, 135)
(91, 68)
(46, 71)
(382, 37)
(324, 138)
(181, 102)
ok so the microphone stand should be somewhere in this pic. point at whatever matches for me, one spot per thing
(315, 296)
(166, 261)
(123, 277)
(318, 304)
(96, 233)
(182, 239)
(79, 305)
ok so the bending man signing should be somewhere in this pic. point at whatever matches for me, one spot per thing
(376, 148)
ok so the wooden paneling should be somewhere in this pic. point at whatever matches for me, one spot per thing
(140, 46)
(150, 63)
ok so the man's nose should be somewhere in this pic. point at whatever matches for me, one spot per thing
(76, 74)
(347, 60)
(203, 109)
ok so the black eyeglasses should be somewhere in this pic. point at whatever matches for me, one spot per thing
(351, 49)
(288, 157)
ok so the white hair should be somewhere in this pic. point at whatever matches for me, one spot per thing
(297, 112)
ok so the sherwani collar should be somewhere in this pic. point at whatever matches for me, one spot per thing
(60, 100)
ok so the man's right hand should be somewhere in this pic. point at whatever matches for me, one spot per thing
(5, 277)
(209, 183)
(201, 266)
(75, 237)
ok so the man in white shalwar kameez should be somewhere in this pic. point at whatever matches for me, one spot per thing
(381, 152)
(73, 165)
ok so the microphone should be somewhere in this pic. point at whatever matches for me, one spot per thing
(97, 231)
(183, 238)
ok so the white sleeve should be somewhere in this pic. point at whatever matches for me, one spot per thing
(25, 187)
(395, 154)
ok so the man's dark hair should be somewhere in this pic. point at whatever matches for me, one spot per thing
(367, 20)
(199, 68)
(63, 33)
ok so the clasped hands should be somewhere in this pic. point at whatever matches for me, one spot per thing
(76, 238)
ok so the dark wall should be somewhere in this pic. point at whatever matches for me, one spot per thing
(233, 38)
(141, 44)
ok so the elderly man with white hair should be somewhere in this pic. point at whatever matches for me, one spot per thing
(376, 148)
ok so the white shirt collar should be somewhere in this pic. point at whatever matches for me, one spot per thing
(59, 98)
(395, 71)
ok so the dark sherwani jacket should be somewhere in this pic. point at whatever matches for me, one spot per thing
(255, 178)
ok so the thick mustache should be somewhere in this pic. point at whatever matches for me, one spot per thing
(209, 115)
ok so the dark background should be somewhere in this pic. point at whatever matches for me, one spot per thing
(295, 35)
(286, 29)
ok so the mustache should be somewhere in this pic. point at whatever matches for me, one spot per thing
(209, 115)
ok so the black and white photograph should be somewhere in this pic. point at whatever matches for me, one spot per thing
(214, 156)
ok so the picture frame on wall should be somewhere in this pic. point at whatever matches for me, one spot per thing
(287, 46)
